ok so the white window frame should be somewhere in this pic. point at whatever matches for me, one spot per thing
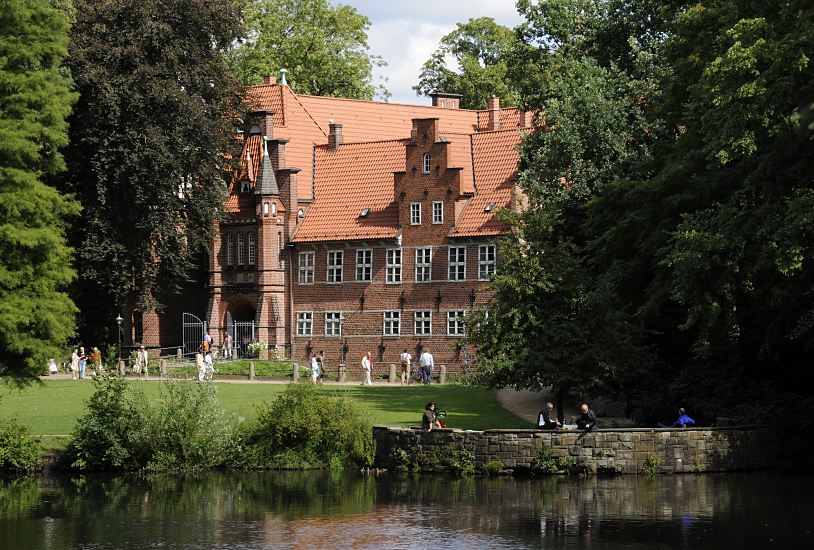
(334, 262)
(364, 265)
(456, 269)
(486, 266)
(241, 250)
(415, 213)
(305, 323)
(391, 323)
(422, 323)
(252, 249)
(333, 324)
(394, 258)
(437, 212)
(230, 249)
(456, 322)
(426, 163)
(306, 268)
(423, 265)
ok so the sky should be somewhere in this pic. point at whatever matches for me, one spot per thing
(406, 32)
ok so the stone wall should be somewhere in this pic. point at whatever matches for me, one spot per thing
(616, 450)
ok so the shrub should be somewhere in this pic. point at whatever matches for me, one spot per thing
(19, 451)
(303, 429)
(548, 462)
(462, 462)
(651, 465)
(493, 467)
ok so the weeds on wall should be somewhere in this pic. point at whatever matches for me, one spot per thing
(548, 462)
(651, 465)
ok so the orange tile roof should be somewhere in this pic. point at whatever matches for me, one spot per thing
(348, 179)
(268, 96)
(496, 160)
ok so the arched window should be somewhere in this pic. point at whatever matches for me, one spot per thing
(427, 162)
(230, 250)
(252, 250)
(274, 209)
(241, 251)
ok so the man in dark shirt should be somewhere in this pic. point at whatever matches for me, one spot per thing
(544, 421)
(586, 420)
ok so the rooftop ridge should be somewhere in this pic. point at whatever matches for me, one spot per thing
(345, 145)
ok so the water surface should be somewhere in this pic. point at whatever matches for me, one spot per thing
(350, 510)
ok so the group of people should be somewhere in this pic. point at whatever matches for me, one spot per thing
(426, 364)
(79, 362)
(587, 419)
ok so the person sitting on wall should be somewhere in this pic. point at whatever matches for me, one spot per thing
(544, 421)
(684, 420)
(430, 419)
(586, 420)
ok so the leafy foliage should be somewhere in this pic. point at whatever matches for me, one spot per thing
(303, 429)
(480, 49)
(156, 115)
(36, 315)
(18, 450)
(323, 47)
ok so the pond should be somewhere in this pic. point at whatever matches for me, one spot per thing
(352, 510)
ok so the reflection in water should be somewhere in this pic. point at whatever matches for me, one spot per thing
(349, 510)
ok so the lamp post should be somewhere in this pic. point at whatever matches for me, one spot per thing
(119, 334)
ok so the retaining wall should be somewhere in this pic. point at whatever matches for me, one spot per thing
(611, 450)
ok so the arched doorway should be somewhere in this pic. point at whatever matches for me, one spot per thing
(240, 323)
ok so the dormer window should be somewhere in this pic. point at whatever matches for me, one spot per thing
(427, 163)
(245, 186)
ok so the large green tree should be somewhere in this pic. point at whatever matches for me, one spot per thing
(323, 47)
(480, 48)
(149, 138)
(36, 315)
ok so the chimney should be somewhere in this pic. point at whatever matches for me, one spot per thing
(334, 135)
(525, 119)
(493, 104)
(446, 101)
(265, 120)
(270, 80)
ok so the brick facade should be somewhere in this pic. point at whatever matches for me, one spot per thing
(413, 188)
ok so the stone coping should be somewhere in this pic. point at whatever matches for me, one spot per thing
(597, 430)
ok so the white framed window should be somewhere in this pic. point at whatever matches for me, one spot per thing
(252, 250)
(241, 250)
(486, 261)
(437, 211)
(364, 265)
(423, 323)
(305, 323)
(335, 258)
(333, 323)
(455, 323)
(392, 323)
(415, 213)
(423, 265)
(457, 263)
(393, 265)
(306, 268)
(426, 163)
(230, 250)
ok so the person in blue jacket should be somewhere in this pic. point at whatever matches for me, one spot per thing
(684, 420)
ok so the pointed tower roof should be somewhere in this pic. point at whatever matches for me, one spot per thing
(267, 185)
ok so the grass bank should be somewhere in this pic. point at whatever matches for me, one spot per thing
(52, 408)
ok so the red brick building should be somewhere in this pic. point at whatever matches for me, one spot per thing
(355, 226)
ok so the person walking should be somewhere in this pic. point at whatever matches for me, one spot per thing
(427, 363)
(209, 367)
(406, 359)
(321, 362)
(142, 360)
(199, 362)
(74, 364)
(227, 346)
(314, 368)
(83, 361)
(367, 367)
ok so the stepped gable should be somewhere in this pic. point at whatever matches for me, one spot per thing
(496, 159)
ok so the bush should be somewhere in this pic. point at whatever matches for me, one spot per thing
(493, 467)
(652, 465)
(185, 429)
(548, 462)
(19, 451)
(303, 429)
(462, 463)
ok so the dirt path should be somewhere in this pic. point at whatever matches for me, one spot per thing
(526, 403)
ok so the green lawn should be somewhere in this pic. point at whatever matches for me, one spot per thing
(53, 407)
